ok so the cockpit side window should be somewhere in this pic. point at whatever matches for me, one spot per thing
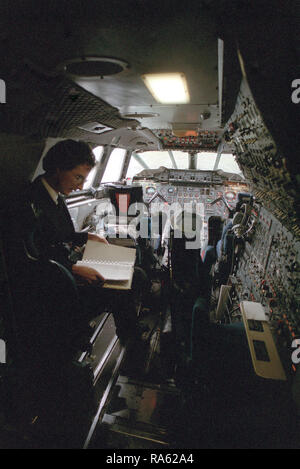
(228, 164)
(211, 161)
(114, 166)
(98, 152)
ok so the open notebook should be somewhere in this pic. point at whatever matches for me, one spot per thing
(114, 263)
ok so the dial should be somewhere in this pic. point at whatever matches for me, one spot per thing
(230, 195)
(150, 190)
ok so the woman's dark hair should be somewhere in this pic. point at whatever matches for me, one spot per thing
(67, 154)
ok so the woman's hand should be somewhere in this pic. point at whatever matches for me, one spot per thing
(98, 238)
(88, 274)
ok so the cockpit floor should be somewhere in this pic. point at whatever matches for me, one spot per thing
(151, 408)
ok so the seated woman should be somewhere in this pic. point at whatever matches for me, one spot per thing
(67, 165)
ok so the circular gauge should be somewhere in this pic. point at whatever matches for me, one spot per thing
(230, 195)
(171, 190)
(150, 190)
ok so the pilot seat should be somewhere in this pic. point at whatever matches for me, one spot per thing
(47, 327)
(219, 251)
(190, 287)
(122, 199)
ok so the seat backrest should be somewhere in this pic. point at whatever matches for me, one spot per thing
(187, 265)
(215, 225)
(46, 312)
(185, 262)
(243, 198)
(122, 197)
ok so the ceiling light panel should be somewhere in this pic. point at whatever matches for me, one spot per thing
(167, 88)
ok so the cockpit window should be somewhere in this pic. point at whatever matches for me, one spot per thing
(228, 163)
(98, 154)
(155, 159)
(180, 160)
(210, 161)
(206, 161)
(114, 166)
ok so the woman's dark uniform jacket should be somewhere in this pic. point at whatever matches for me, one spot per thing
(55, 233)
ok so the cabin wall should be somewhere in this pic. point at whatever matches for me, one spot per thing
(268, 271)
(19, 157)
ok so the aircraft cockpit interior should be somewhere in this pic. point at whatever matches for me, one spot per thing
(149, 236)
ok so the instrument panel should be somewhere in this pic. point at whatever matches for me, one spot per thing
(191, 190)
(186, 194)
(267, 170)
(269, 273)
